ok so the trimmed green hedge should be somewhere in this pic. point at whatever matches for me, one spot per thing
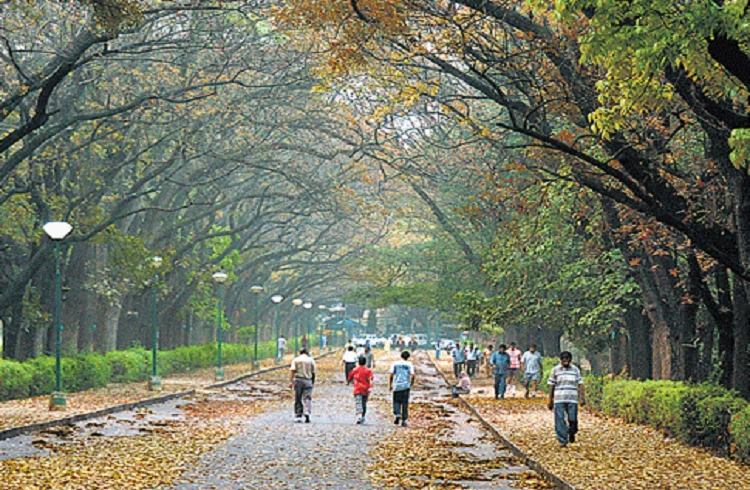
(81, 372)
(702, 415)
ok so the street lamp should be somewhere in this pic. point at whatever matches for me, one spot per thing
(308, 320)
(322, 308)
(276, 299)
(219, 278)
(57, 231)
(155, 382)
(340, 309)
(256, 290)
(296, 302)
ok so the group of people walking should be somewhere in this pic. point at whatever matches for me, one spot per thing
(358, 370)
(504, 364)
(565, 382)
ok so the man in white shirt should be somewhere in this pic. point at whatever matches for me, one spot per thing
(401, 380)
(302, 379)
(349, 359)
(565, 393)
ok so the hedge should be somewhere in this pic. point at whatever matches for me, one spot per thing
(697, 414)
(81, 372)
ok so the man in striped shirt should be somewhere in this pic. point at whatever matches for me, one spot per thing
(565, 394)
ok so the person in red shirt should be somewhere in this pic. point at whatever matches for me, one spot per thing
(363, 378)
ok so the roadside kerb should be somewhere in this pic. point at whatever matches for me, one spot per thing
(517, 452)
(25, 429)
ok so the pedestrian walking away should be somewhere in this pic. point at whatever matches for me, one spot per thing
(565, 394)
(400, 380)
(350, 360)
(515, 364)
(302, 379)
(362, 376)
(500, 363)
(280, 349)
(472, 353)
(459, 359)
(531, 365)
(369, 358)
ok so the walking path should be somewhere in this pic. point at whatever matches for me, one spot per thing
(273, 451)
(608, 454)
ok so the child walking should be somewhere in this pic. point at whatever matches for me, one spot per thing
(363, 378)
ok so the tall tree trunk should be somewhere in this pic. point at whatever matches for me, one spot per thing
(741, 336)
(639, 332)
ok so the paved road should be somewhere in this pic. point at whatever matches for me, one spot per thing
(275, 452)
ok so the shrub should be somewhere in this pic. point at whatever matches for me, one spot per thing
(690, 428)
(83, 372)
(128, 366)
(739, 430)
(42, 375)
(15, 380)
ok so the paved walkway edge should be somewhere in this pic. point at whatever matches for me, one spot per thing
(25, 429)
(528, 461)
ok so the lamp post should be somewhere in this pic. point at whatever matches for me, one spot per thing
(154, 383)
(219, 278)
(256, 290)
(340, 309)
(322, 309)
(57, 231)
(308, 319)
(296, 302)
(276, 299)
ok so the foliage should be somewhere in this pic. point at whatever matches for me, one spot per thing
(705, 414)
(82, 372)
(739, 430)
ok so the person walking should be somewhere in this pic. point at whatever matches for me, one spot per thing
(349, 359)
(302, 379)
(565, 394)
(369, 358)
(531, 365)
(472, 353)
(515, 364)
(459, 359)
(486, 355)
(362, 377)
(400, 380)
(500, 363)
(280, 349)
(304, 342)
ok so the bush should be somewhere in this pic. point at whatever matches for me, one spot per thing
(83, 372)
(15, 380)
(42, 375)
(128, 366)
(739, 430)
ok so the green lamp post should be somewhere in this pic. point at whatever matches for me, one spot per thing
(322, 309)
(296, 302)
(57, 231)
(256, 290)
(219, 278)
(154, 383)
(276, 299)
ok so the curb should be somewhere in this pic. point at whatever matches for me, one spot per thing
(25, 429)
(517, 452)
